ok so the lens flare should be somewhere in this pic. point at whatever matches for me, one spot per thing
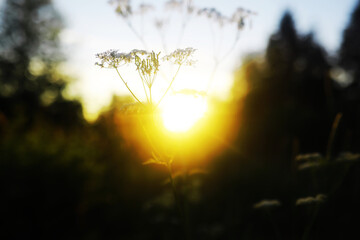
(180, 112)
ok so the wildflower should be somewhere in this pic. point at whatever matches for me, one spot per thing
(144, 8)
(147, 65)
(137, 52)
(308, 157)
(215, 15)
(308, 165)
(267, 204)
(319, 198)
(310, 160)
(173, 5)
(239, 17)
(113, 59)
(122, 7)
(180, 56)
(348, 157)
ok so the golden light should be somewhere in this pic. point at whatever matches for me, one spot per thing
(181, 111)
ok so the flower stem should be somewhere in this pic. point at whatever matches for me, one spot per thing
(168, 87)
(127, 86)
(142, 80)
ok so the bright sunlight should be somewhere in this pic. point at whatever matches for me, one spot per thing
(180, 112)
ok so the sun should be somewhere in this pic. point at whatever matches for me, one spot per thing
(181, 111)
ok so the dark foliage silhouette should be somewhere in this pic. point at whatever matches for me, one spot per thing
(64, 178)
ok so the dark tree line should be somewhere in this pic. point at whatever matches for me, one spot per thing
(295, 92)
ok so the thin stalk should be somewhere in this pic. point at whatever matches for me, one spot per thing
(231, 49)
(142, 80)
(216, 65)
(181, 208)
(154, 148)
(332, 135)
(176, 196)
(168, 87)
(137, 34)
(217, 62)
(150, 94)
(275, 228)
(311, 223)
(128, 87)
(213, 40)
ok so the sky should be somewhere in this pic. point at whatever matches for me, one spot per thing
(94, 26)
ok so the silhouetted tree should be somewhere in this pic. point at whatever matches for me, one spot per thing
(349, 59)
(349, 53)
(290, 97)
(29, 57)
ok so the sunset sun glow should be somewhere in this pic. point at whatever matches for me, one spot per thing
(180, 112)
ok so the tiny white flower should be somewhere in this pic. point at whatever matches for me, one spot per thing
(180, 56)
(319, 198)
(265, 204)
(144, 8)
(308, 157)
(173, 5)
(348, 157)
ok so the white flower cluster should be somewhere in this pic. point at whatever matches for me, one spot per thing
(267, 204)
(240, 15)
(215, 15)
(181, 56)
(144, 8)
(348, 157)
(237, 17)
(310, 160)
(311, 200)
(113, 59)
(173, 5)
(308, 157)
(123, 7)
(147, 64)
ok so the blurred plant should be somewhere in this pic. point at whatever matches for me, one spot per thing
(308, 202)
(187, 10)
(267, 206)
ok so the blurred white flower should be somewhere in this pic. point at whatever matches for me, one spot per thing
(181, 56)
(145, 8)
(173, 5)
(122, 7)
(310, 160)
(319, 198)
(348, 157)
(113, 59)
(265, 204)
(308, 157)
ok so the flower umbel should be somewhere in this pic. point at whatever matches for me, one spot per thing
(180, 56)
(113, 59)
(147, 65)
